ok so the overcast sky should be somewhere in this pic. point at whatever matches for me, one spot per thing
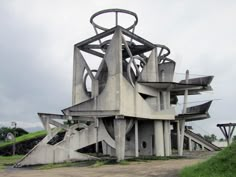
(36, 50)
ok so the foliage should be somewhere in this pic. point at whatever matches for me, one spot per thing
(9, 160)
(16, 131)
(221, 139)
(234, 138)
(124, 162)
(99, 163)
(210, 138)
(65, 164)
(221, 165)
(25, 138)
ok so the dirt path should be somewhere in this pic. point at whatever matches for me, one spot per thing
(158, 168)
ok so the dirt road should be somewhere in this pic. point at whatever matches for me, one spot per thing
(157, 168)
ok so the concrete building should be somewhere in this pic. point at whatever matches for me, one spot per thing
(126, 107)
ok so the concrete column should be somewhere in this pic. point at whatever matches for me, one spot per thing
(96, 136)
(190, 144)
(167, 137)
(178, 137)
(203, 148)
(168, 106)
(108, 150)
(170, 150)
(182, 122)
(165, 105)
(104, 148)
(158, 132)
(120, 131)
(136, 138)
(182, 130)
(186, 93)
(229, 135)
(159, 138)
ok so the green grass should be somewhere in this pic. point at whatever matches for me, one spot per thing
(91, 163)
(124, 162)
(25, 138)
(99, 163)
(9, 160)
(221, 165)
(59, 165)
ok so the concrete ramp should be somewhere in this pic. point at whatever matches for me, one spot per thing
(66, 150)
(201, 141)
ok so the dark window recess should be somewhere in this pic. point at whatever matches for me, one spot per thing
(57, 138)
(91, 148)
(128, 138)
(144, 144)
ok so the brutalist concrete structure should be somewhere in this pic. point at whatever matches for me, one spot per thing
(129, 109)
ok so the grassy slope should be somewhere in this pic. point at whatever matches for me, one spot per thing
(25, 137)
(9, 160)
(221, 165)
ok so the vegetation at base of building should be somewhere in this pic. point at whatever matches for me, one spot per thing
(99, 163)
(221, 165)
(9, 160)
(59, 165)
(102, 162)
(24, 137)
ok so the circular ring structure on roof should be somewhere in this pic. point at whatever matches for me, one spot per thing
(117, 11)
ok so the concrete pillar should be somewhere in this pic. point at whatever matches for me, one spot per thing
(229, 135)
(181, 130)
(136, 138)
(178, 137)
(203, 148)
(170, 150)
(168, 106)
(167, 137)
(109, 150)
(120, 131)
(159, 138)
(182, 122)
(190, 147)
(96, 134)
(104, 148)
(186, 93)
(68, 136)
(165, 105)
(158, 132)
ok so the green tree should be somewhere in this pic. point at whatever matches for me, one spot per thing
(221, 139)
(5, 130)
(210, 138)
(234, 138)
